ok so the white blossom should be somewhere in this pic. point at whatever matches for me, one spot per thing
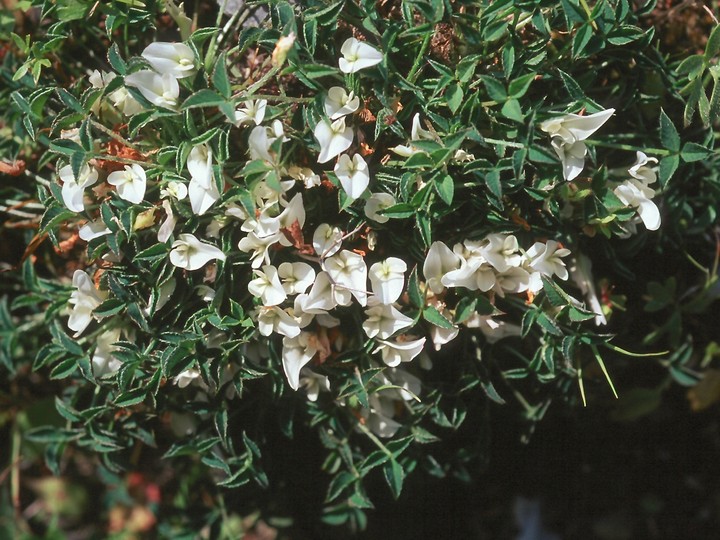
(130, 183)
(305, 175)
(348, 270)
(296, 277)
(267, 286)
(73, 190)
(202, 189)
(296, 353)
(190, 253)
(581, 275)
(358, 55)
(403, 349)
(568, 132)
(160, 90)
(174, 59)
(251, 112)
(353, 175)
(384, 320)
(387, 279)
(103, 361)
(637, 195)
(93, 229)
(259, 247)
(272, 319)
(417, 133)
(168, 226)
(339, 103)
(84, 299)
(376, 203)
(333, 138)
(176, 190)
(546, 258)
(327, 240)
(313, 383)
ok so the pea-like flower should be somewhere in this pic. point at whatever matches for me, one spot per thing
(637, 195)
(439, 260)
(296, 277)
(567, 134)
(417, 133)
(83, 301)
(130, 183)
(387, 279)
(93, 229)
(267, 286)
(403, 349)
(297, 352)
(333, 138)
(339, 103)
(73, 189)
(202, 189)
(546, 258)
(175, 59)
(251, 112)
(384, 320)
(160, 90)
(358, 55)
(376, 203)
(353, 175)
(190, 253)
(348, 270)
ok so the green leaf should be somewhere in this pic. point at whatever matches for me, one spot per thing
(433, 316)
(116, 61)
(712, 47)
(111, 306)
(399, 211)
(203, 98)
(454, 97)
(694, 152)
(511, 109)
(394, 476)
(131, 397)
(445, 187)
(220, 77)
(668, 133)
(416, 297)
(465, 309)
(668, 166)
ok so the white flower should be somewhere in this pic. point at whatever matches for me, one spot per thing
(501, 251)
(313, 383)
(202, 189)
(567, 134)
(581, 276)
(327, 240)
(376, 203)
(493, 330)
(384, 320)
(191, 254)
(175, 59)
(296, 277)
(358, 55)
(640, 169)
(338, 103)
(187, 377)
(513, 280)
(100, 79)
(259, 246)
(379, 416)
(333, 138)
(545, 258)
(123, 100)
(251, 111)
(160, 90)
(403, 349)
(272, 319)
(348, 270)
(267, 286)
(130, 183)
(304, 175)
(387, 279)
(73, 190)
(296, 353)
(93, 229)
(103, 361)
(353, 175)
(637, 195)
(168, 226)
(440, 336)
(261, 140)
(439, 261)
(83, 301)
(320, 299)
(417, 133)
(176, 190)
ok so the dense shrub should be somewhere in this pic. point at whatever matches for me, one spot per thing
(317, 242)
